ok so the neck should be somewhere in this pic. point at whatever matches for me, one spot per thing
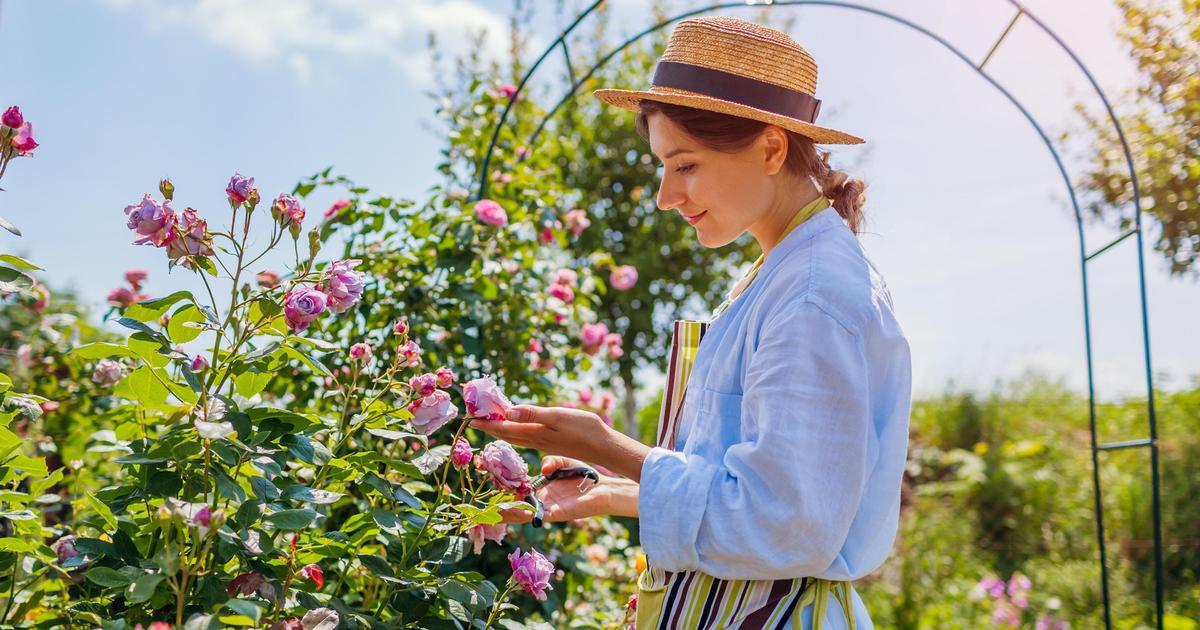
(769, 230)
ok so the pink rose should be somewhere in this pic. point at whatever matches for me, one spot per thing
(302, 306)
(532, 571)
(485, 400)
(607, 401)
(521, 152)
(240, 188)
(360, 352)
(154, 223)
(199, 364)
(535, 345)
(288, 210)
(195, 240)
(23, 141)
(424, 384)
(12, 117)
(506, 90)
(491, 213)
(461, 454)
(562, 292)
(566, 276)
(432, 411)
(50, 406)
(577, 221)
(267, 279)
(314, 573)
(64, 547)
(122, 297)
(337, 207)
(479, 534)
(585, 396)
(136, 277)
(445, 377)
(43, 298)
(25, 355)
(400, 327)
(108, 372)
(592, 336)
(343, 285)
(410, 354)
(545, 236)
(506, 468)
(623, 277)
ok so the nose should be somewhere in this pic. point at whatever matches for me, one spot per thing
(670, 194)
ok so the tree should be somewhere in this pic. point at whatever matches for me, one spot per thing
(1162, 127)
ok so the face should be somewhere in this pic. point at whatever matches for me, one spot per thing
(721, 194)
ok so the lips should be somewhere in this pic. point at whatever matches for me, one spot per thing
(695, 218)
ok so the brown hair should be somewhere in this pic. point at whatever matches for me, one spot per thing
(730, 134)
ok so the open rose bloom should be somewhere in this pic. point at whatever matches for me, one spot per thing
(485, 400)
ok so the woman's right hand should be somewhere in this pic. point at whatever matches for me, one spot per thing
(561, 499)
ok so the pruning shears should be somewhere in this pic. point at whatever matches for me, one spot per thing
(588, 478)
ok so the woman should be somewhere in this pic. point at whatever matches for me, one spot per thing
(780, 480)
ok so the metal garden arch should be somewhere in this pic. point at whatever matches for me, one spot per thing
(1150, 442)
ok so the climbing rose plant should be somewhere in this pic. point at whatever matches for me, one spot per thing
(266, 466)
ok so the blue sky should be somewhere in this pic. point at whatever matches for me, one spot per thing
(967, 216)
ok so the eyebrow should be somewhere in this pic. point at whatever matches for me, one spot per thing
(675, 152)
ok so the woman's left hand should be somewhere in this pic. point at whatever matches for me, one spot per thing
(568, 432)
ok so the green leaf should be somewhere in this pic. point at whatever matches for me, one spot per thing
(148, 348)
(183, 327)
(4, 223)
(103, 510)
(17, 545)
(142, 386)
(303, 357)
(102, 350)
(152, 310)
(250, 383)
(245, 608)
(107, 577)
(264, 489)
(311, 495)
(142, 589)
(292, 519)
(267, 348)
(376, 565)
(19, 262)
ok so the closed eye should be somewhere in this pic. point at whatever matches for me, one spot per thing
(685, 169)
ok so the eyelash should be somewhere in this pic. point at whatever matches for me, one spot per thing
(681, 169)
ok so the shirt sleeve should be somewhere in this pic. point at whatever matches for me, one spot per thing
(780, 503)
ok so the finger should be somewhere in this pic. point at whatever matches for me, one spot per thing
(509, 431)
(516, 516)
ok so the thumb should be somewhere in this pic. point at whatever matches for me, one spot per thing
(554, 462)
(524, 413)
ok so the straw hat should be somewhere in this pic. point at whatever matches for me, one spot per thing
(735, 67)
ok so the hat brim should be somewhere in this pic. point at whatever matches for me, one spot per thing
(629, 99)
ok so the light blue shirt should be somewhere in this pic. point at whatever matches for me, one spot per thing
(794, 429)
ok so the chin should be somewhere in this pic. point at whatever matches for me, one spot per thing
(710, 240)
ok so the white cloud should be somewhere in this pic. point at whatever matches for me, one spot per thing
(295, 32)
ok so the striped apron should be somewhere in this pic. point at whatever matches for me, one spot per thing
(691, 599)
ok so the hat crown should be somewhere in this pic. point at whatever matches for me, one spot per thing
(743, 48)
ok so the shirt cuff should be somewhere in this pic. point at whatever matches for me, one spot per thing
(672, 496)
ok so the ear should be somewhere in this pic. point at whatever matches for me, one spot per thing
(774, 143)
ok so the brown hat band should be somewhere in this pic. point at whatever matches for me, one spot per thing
(737, 89)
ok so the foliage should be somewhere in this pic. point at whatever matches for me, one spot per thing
(1161, 122)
